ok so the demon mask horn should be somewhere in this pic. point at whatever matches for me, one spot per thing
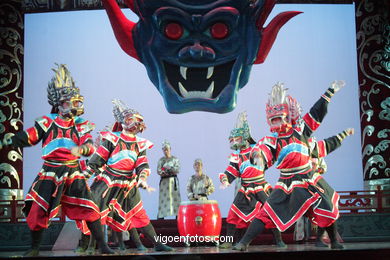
(270, 32)
(123, 27)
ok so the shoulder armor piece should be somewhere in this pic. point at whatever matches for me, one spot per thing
(143, 143)
(113, 137)
(83, 126)
(45, 121)
(269, 140)
(234, 158)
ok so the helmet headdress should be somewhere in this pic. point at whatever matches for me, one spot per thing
(283, 111)
(62, 88)
(242, 130)
(130, 119)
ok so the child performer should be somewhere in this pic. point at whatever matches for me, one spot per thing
(122, 155)
(298, 191)
(60, 184)
(254, 189)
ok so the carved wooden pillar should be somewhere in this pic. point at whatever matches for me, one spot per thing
(373, 51)
(11, 96)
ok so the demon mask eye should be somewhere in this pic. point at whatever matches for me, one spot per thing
(219, 31)
(173, 30)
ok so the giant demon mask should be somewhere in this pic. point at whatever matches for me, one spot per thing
(198, 53)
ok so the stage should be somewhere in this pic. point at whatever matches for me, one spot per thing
(362, 250)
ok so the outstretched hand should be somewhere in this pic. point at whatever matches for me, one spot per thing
(350, 131)
(144, 185)
(224, 185)
(337, 85)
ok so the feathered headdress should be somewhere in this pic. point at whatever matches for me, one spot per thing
(121, 110)
(61, 87)
(242, 128)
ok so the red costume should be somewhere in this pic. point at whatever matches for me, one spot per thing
(299, 191)
(60, 183)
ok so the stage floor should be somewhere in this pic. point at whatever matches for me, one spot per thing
(366, 250)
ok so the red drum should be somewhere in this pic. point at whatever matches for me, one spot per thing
(199, 217)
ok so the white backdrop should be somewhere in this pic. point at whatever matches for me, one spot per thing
(311, 50)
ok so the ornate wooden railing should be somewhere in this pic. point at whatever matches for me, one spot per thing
(351, 202)
(363, 202)
(11, 212)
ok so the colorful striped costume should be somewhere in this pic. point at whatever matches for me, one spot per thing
(299, 191)
(254, 189)
(123, 160)
(60, 183)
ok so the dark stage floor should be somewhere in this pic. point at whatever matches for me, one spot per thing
(366, 250)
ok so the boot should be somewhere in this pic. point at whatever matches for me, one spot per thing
(239, 234)
(332, 233)
(119, 237)
(36, 238)
(137, 241)
(230, 230)
(91, 250)
(278, 238)
(254, 229)
(83, 244)
(320, 233)
(150, 233)
(97, 232)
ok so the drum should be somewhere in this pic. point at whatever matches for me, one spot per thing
(199, 218)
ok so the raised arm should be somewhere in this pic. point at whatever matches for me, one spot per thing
(313, 119)
(320, 149)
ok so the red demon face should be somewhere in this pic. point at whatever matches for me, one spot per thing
(278, 117)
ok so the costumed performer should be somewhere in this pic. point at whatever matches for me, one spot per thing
(122, 154)
(298, 191)
(60, 184)
(254, 189)
(318, 152)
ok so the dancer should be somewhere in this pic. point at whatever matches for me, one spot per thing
(122, 156)
(199, 186)
(60, 183)
(319, 166)
(254, 189)
(169, 189)
(298, 191)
